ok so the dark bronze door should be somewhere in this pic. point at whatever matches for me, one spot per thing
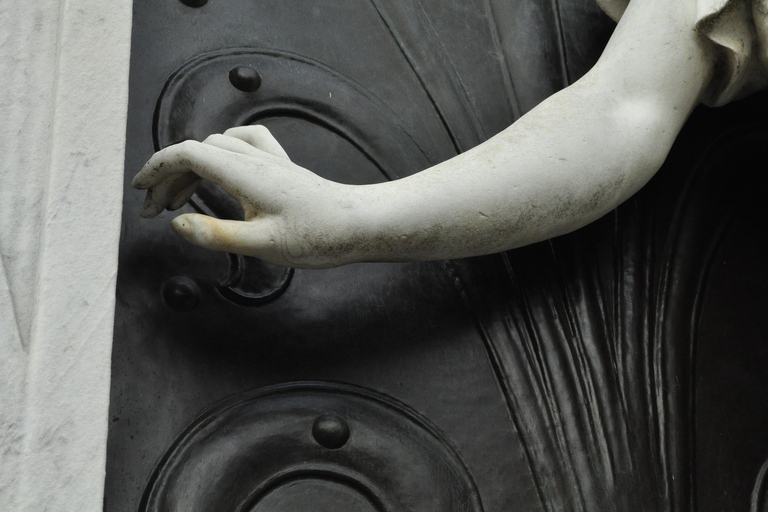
(618, 368)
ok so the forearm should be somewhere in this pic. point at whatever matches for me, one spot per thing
(569, 161)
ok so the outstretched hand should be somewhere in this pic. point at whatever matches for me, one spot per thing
(283, 204)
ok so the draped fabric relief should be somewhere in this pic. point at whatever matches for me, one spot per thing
(592, 336)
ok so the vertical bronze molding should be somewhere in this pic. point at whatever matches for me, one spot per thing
(594, 334)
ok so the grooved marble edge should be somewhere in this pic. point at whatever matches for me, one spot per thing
(64, 72)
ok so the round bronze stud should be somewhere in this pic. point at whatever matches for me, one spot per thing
(330, 431)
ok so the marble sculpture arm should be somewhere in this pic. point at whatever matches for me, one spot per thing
(566, 163)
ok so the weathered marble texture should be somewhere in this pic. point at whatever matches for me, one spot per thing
(64, 77)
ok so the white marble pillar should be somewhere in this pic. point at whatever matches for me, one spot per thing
(63, 103)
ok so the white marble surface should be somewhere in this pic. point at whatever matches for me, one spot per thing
(64, 77)
(736, 31)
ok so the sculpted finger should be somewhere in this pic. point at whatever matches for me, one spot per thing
(247, 238)
(259, 137)
(224, 168)
(160, 196)
(231, 144)
(148, 209)
(164, 164)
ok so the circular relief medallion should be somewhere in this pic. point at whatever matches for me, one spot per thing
(311, 447)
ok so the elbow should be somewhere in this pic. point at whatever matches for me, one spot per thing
(643, 134)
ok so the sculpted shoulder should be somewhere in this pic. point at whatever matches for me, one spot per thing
(737, 31)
